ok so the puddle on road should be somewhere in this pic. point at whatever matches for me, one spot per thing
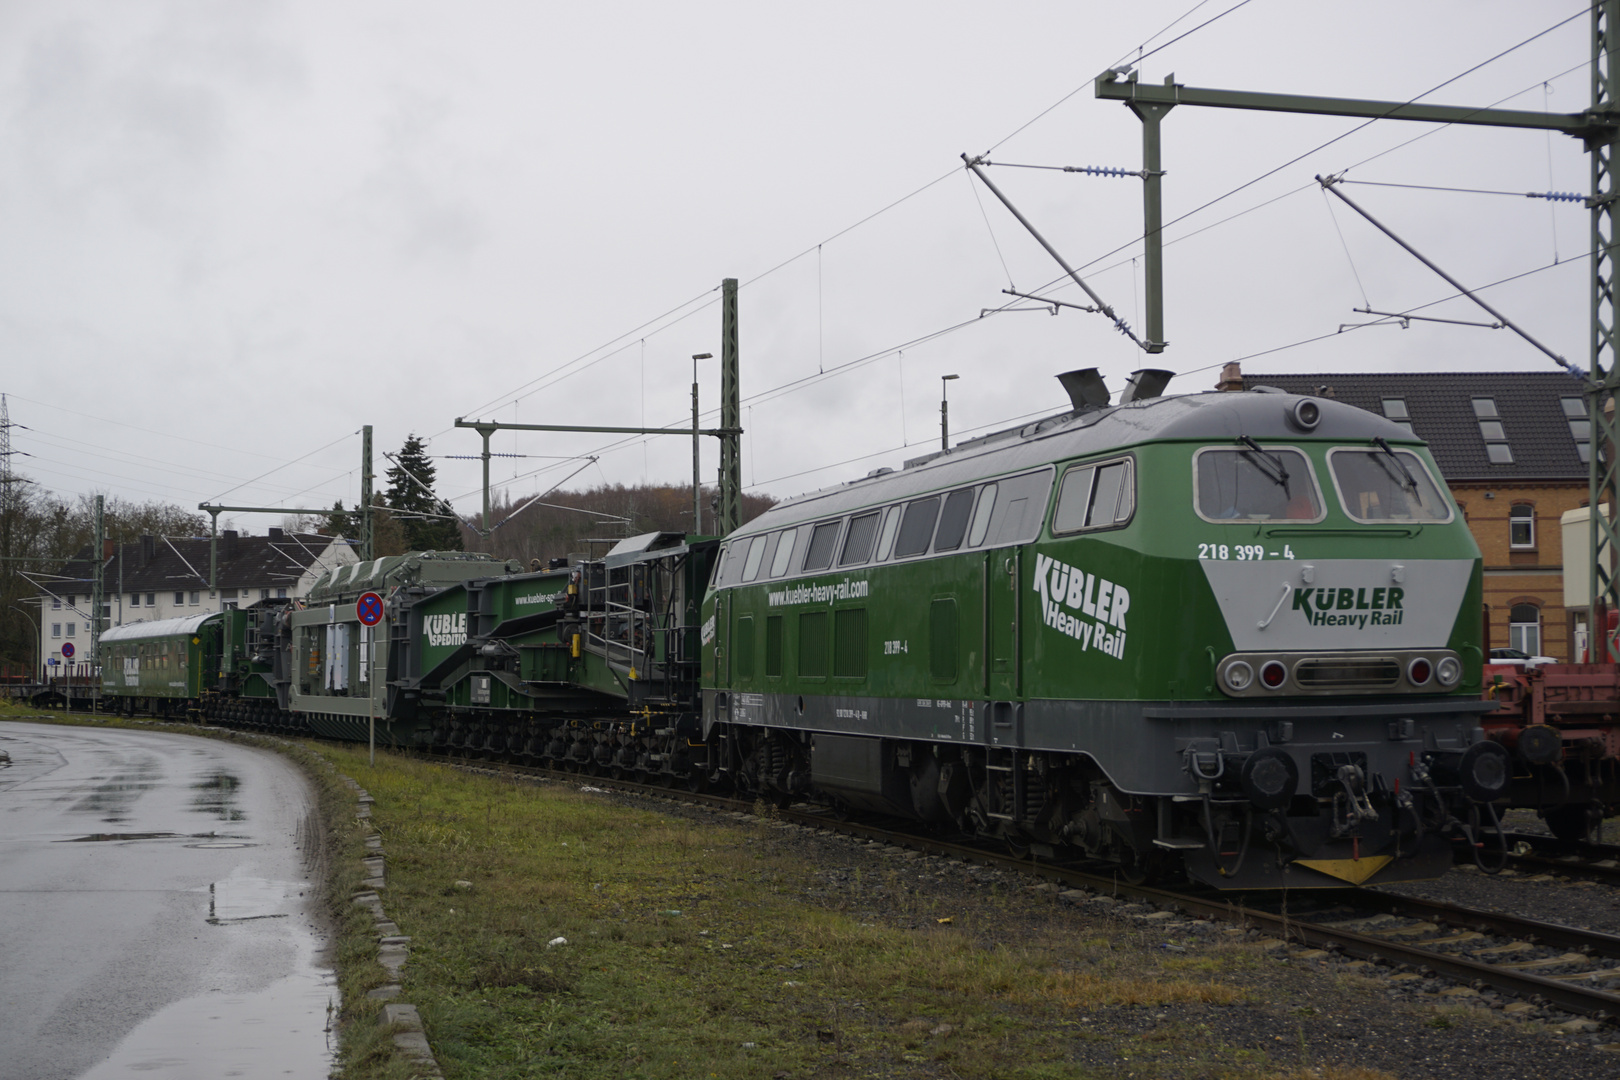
(217, 795)
(283, 1030)
(236, 900)
(114, 798)
(214, 840)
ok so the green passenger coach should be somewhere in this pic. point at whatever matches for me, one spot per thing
(1238, 632)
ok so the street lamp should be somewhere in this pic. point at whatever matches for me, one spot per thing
(37, 637)
(697, 480)
(945, 413)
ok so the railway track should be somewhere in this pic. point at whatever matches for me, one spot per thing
(1538, 853)
(1566, 968)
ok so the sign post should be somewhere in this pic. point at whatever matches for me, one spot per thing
(369, 610)
(67, 654)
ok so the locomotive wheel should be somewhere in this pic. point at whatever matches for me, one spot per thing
(1142, 867)
(1571, 822)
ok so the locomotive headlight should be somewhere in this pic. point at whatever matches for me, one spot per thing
(1270, 778)
(1448, 671)
(1273, 674)
(1306, 415)
(1239, 675)
(1484, 771)
(1419, 671)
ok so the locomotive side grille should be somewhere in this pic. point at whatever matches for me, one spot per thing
(1343, 673)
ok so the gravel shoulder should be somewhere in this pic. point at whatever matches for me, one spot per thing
(1302, 1013)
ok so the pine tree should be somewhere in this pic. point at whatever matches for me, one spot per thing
(341, 522)
(429, 522)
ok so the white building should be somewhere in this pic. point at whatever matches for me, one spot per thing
(168, 578)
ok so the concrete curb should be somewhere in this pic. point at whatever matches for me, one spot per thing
(393, 949)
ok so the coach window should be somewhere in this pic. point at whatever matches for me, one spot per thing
(823, 542)
(917, 527)
(1256, 483)
(1095, 497)
(784, 553)
(858, 544)
(1522, 526)
(1379, 485)
(953, 520)
(891, 525)
(719, 565)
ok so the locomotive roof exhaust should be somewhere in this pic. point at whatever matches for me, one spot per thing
(1086, 388)
(1088, 391)
(1145, 383)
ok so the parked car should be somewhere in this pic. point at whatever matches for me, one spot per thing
(1520, 658)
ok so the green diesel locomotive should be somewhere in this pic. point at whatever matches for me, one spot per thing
(1238, 632)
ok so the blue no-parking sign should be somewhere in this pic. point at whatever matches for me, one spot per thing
(369, 609)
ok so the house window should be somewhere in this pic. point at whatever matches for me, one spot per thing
(264, 594)
(1499, 453)
(1522, 526)
(281, 594)
(1524, 628)
(179, 598)
(1395, 408)
(71, 627)
(1484, 408)
(1574, 408)
(56, 629)
(196, 598)
(244, 594)
(56, 603)
(134, 599)
(151, 599)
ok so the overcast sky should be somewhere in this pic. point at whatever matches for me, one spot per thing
(231, 234)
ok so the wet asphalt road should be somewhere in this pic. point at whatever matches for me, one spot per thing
(155, 909)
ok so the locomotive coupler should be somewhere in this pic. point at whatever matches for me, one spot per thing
(1350, 804)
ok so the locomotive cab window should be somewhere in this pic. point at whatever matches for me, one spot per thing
(917, 527)
(1255, 483)
(784, 552)
(981, 516)
(891, 525)
(953, 520)
(1095, 497)
(1386, 485)
(756, 552)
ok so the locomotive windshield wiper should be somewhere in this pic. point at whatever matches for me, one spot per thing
(1263, 460)
(1410, 482)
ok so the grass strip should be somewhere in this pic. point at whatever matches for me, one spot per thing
(558, 933)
